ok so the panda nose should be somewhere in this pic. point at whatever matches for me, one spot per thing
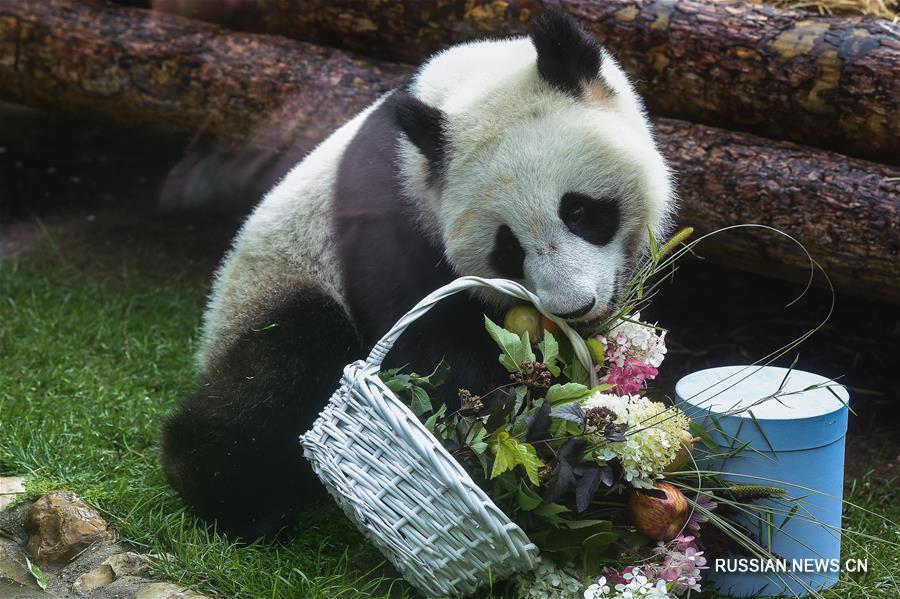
(580, 311)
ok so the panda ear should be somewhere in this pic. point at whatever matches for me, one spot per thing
(568, 57)
(424, 125)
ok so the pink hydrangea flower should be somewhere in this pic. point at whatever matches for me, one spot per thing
(629, 378)
(634, 351)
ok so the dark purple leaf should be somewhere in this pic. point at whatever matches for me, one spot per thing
(539, 427)
(588, 483)
(607, 476)
(500, 410)
(571, 412)
(563, 476)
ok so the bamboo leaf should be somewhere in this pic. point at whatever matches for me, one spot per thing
(762, 432)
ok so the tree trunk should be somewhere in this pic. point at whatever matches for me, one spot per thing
(179, 75)
(845, 211)
(831, 82)
(136, 68)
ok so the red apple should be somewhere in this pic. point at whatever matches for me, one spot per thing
(549, 326)
(659, 519)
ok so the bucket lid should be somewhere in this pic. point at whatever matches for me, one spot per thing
(809, 411)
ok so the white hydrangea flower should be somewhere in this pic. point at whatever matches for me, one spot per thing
(658, 591)
(597, 590)
(652, 439)
(548, 581)
(638, 586)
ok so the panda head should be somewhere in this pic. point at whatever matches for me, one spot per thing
(532, 159)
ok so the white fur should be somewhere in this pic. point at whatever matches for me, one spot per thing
(516, 145)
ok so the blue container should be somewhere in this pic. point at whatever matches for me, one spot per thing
(796, 438)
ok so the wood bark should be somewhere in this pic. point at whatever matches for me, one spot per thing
(831, 82)
(133, 67)
(845, 211)
(180, 75)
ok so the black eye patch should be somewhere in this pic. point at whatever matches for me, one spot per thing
(507, 256)
(594, 220)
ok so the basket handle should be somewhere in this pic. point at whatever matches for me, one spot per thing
(378, 353)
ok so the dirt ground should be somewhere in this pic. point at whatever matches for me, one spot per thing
(100, 189)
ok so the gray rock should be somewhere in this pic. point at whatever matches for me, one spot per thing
(13, 566)
(12, 522)
(128, 563)
(115, 566)
(10, 488)
(100, 576)
(165, 590)
(12, 590)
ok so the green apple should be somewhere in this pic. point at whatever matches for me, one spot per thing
(524, 318)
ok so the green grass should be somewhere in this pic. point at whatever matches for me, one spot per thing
(92, 357)
(88, 367)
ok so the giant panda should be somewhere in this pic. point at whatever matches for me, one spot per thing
(527, 158)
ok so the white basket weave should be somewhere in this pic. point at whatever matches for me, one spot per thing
(404, 491)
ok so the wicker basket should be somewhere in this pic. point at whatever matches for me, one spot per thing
(407, 495)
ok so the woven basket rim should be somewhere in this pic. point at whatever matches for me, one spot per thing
(362, 389)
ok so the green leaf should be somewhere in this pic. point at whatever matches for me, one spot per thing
(761, 431)
(596, 548)
(598, 352)
(700, 431)
(600, 525)
(476, 432)
(478, 447)
(558, 394)
(421, 403)
(436, 378)
(654, 245)
(576, 372)
(790, 515)
(635, 540)
(37, 574)
(551, 509)
(515, 349)
(398, 383)
(389, 374)
(432, 420)
(527, 497)
(529, 459)
(550, 352)
(505, 455)
(510, 453)
(601, 539)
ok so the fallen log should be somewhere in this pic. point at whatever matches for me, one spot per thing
(831, 82)
(128, 66)
(283, 96)
(845, 211)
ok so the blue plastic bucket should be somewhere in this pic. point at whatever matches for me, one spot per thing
(796, 441)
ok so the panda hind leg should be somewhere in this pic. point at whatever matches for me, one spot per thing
(231, 448)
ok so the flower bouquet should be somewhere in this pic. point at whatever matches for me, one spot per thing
(599, 476)
(570, 460)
